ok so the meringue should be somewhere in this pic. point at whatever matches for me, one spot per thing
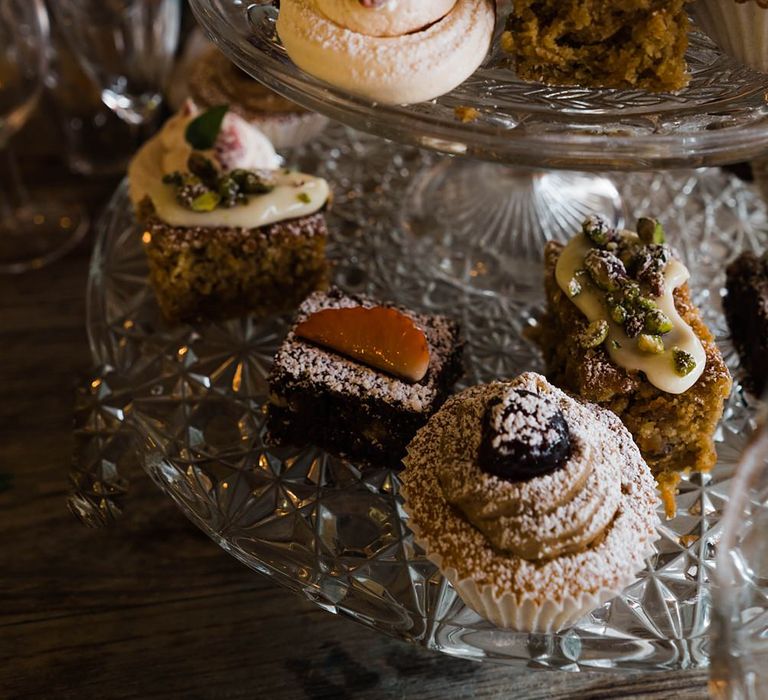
(386, 18)
(401, 69)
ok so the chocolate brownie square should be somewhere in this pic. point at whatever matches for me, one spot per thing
(320, 397)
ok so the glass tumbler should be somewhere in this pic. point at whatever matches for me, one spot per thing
(126, 46)
(35, 227)
(739, 655)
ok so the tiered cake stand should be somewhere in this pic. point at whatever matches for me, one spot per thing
(458, 236)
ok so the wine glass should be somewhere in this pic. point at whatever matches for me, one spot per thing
(126, 46)
(32, 232)
(739, 658)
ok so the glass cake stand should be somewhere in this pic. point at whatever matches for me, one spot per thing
(479, 214)
(193, 396)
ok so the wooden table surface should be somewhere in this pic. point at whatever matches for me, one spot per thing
(151, 608)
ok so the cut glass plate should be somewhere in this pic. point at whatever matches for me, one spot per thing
(337, 534)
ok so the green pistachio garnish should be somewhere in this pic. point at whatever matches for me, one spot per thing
(652, 344)
(207, 201)
(657, 322)
(618, 313)
(683, 361)
(205, 187)
(574, 288)
(251, 182)
(203, 168)
(615, 344)
(605, 269)
(645, 304)
(304, 197)
(598, 230)
(650, 231)
(594, 334)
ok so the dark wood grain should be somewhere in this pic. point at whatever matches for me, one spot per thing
(152, 608)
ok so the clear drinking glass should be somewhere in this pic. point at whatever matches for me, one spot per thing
(96, 141)
(33, 230)
(739, 657)
(126, 46)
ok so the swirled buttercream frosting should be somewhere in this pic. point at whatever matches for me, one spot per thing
(564, 509)
(560, 511)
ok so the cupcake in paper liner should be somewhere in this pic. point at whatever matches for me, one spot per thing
(214, 80)
(739, 27)
(537, 508)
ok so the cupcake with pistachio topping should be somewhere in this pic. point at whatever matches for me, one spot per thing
(536, 508)
(226, 229)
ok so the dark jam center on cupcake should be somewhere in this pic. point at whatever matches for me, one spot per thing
(525, 435)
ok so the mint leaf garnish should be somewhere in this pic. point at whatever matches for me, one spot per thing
(203, 131)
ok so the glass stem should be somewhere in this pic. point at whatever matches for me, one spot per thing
(13, 193)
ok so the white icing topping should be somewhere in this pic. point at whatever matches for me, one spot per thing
(240, 145)
(397, 70)
(658, 368)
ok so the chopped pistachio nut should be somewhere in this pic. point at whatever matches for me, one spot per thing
(594, 334)
(652, 344)
(648, 265)
(207, 201)
(303, 197)
(598, 230)
(618, 313)
(574, 288)
(684, 362)
(203, 168)
(646, 304)
(605, 269)
(615, 344)
(204, 187)
(251, 182)
(650, 231)
(657, 322)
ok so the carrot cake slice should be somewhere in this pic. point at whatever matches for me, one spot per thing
(226, 230)
(622, 331)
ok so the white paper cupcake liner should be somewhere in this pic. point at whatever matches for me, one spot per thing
(739, 27)
(526, 615)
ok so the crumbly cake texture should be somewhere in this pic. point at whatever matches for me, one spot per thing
(673, 431)
(594, 43)
(320, 397)
(746, 309)
(508, 589)
(223, 272)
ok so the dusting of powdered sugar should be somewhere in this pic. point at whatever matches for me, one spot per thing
(299, 364)
(441, 459)
(529, 423)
